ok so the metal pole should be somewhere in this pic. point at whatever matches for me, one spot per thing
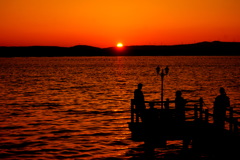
(162, 76)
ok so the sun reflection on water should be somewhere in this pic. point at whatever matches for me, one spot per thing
(78, 107)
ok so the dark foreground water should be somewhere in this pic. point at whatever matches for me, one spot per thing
(78, 107)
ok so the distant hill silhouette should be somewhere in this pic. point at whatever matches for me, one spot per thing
(198, 49)
(49, 51)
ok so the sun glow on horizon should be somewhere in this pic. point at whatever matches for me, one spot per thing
(119, 45)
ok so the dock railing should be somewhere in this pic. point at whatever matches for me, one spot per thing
(198, 112)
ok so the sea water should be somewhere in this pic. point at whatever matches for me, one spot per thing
(78, 107)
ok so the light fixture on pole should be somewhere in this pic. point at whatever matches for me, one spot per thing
(163, 73)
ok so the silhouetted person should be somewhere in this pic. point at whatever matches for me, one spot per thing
(219, 110)
(166, 104)
(151, 114)
(180, 103)
(139, 101)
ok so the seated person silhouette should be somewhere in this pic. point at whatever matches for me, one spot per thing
(151, 114)
(151, 121)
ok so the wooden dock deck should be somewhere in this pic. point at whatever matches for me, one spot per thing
(198, 130)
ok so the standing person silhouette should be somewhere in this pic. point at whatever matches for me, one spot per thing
(139, 101)
(180, 103)
(180, 107)
(219, 109)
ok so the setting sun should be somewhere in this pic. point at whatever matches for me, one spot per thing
(106, 23)
(119, 45)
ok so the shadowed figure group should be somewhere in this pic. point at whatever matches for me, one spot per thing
(160, 123)
(221, 103)
(180, 103)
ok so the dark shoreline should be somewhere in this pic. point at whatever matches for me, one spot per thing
(215, 48)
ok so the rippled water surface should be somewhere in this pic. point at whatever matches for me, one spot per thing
(78, 107)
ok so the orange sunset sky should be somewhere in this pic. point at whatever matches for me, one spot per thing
(104, 23)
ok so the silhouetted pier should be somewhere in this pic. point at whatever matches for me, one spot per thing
(197, 132)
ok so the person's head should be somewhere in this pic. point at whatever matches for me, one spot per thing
(151, 105)
(178, 94)
(222, 91)
(140, 86)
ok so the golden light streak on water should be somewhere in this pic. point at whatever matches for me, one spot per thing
(78, 107)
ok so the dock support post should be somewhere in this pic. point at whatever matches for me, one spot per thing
(195, 112)
(206, 115)
(201, 108)
(132, 110)
(235, 122)
(231, 119)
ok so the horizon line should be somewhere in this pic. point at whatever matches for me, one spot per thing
(124, 45)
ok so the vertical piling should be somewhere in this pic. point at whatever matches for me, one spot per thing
(235, 122)
(201, 108)
(132, 110)
(231, 119)
(195, 112)
(206, 115)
